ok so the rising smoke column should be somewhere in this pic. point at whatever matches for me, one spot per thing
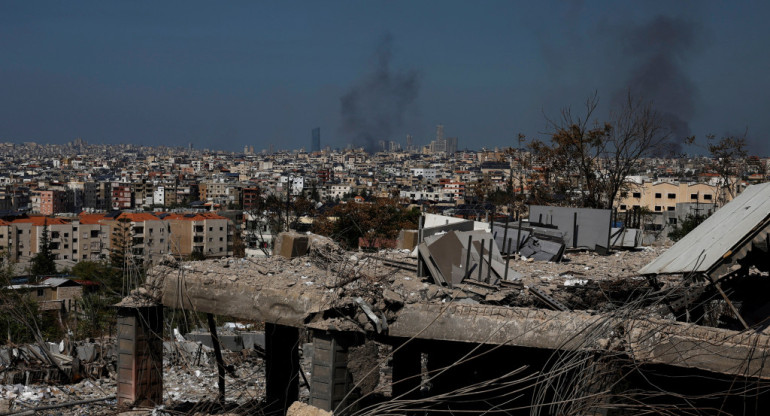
(375, 106)
(658, 51)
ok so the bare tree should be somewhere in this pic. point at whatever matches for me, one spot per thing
(587, 161)
(729, 155)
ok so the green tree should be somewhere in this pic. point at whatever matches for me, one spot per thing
(685, 226)
(381, 219)
(101, 272)
(120, 243)
(96, 317)
(43, 262)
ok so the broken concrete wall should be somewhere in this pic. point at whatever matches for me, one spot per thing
(456, 226)
(503, 237)
(626, 237)
(582, 227)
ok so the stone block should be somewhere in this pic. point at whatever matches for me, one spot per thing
(291, 244)
(407, 240)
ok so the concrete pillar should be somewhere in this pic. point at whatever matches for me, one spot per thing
(407, 369)
(140, 355)
(281, 366)
(331, 380)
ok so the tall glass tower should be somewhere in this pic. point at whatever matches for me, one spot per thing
(315, 143)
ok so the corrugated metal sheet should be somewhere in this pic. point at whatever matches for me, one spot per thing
(719, 235)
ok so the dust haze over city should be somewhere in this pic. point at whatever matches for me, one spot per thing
(225, 76)
(384, 207)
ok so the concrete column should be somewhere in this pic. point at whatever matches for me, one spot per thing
(281, 366)
(140, 355)
(331, 380)
(407, 369)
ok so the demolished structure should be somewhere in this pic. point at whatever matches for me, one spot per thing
(462, 330)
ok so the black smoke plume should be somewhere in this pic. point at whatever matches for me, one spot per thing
(657, 52)
(375, 107)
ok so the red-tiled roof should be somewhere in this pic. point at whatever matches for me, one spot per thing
(90, 218)
(199, 216)
(138, 216)
(40, 221)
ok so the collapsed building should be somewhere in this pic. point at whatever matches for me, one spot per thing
(462, 330)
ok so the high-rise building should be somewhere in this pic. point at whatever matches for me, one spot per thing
(409, 143)
(315, 143)
(451, 145)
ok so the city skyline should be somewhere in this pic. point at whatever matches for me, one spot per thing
(231, 75)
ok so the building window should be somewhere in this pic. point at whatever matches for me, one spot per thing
(671, 208)
(671, 196)
(693, 196)
(658, 195)
(658, 208)
(707, 197)
(637, 194)
(40, 292)
(672, 220)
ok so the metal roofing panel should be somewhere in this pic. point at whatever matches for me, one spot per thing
(704, 246)
(55, 281)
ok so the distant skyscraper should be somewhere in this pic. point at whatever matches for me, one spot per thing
(409, 143)
(315, 143)
(440, 133)
(451, 145)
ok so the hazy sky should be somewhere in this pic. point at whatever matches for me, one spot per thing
(228, 74)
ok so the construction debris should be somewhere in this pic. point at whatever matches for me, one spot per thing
(455, 256)
(567, 324)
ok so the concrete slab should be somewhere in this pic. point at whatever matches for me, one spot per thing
(582, 227)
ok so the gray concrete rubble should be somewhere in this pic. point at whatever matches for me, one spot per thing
(512, 318)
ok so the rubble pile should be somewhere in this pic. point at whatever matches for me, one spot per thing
(60, 362)
(361, 291)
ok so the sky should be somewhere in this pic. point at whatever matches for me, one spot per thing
(222, 75)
